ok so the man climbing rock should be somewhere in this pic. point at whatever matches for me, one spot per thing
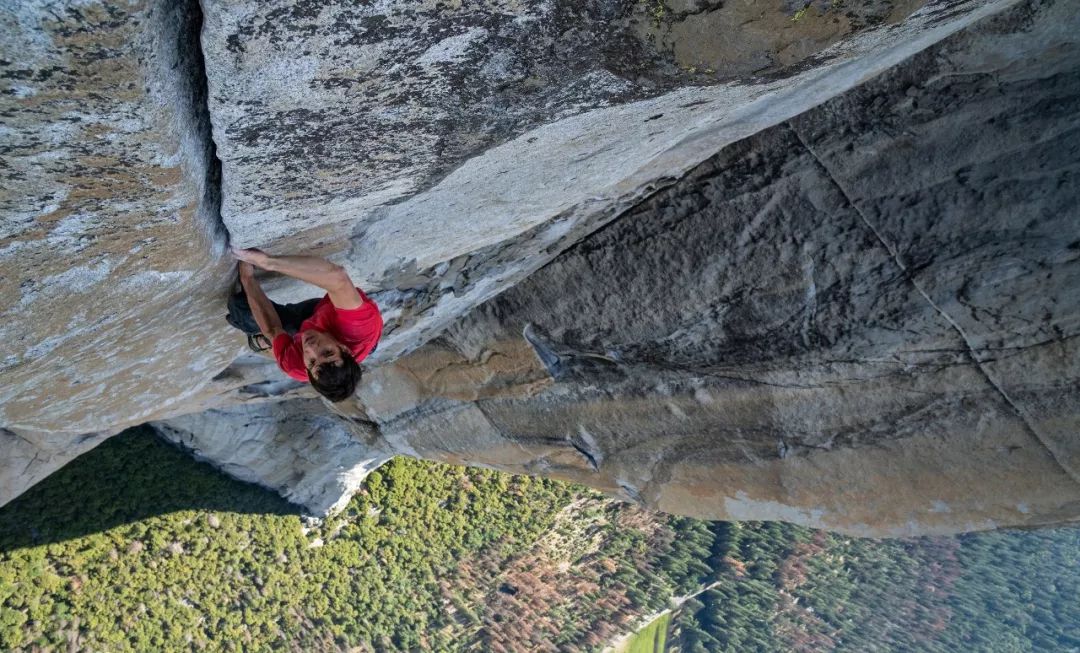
(320, 341)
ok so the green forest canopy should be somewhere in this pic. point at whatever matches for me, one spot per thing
(135, 546)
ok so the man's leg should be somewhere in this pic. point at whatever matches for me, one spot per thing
(291, 315)
(239, 315)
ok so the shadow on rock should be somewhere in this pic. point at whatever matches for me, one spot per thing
(128, 478)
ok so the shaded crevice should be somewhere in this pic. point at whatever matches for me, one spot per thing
(184, 66)
(593, 461)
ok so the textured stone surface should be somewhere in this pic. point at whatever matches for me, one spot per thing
(310, 456)
(107, 217)
(109, 227)
(445, 152)
(843, 321)
(857, 317)
(30, 456)
(983, 219)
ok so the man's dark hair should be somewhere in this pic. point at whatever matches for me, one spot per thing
(336, 382)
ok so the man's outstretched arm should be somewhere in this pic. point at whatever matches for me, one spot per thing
(317, 271)
(261, 308)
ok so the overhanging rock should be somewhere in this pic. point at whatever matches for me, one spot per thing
(857, 315)
(311, 457)
(443, 154)
(862, 319)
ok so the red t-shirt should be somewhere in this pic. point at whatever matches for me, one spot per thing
(357, 328)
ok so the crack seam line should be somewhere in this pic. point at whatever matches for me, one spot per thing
(1039, 437)
(494, 427)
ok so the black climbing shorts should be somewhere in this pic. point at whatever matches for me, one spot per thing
(291, 315)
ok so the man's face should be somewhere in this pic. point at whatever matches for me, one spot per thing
(319, 347)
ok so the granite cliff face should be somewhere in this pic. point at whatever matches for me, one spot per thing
(110, 236)
(821, 271)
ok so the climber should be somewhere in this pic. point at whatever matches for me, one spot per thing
(321, 340)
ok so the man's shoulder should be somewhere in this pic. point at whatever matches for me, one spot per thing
(366, 312)
(366, 303)
(282, 342)
(288, 356)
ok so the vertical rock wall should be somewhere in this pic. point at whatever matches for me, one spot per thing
(109, 226)
(857, 315)
(444, 152)
(861, 319)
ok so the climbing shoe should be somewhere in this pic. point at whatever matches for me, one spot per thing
(258, 343)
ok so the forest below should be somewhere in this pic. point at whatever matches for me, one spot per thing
(135, 546)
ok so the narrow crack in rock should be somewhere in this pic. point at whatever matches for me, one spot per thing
(185, 20)
(971, 352)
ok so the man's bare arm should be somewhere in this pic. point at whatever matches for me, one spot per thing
(261, 308)
(317, 271)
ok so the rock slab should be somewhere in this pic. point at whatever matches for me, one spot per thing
(826, 283)
(109, 226)
(310, 456)
(862, 319)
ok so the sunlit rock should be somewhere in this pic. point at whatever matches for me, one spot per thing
(814, 264)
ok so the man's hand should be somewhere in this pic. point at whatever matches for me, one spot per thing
(332, 278)
(253, 256)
